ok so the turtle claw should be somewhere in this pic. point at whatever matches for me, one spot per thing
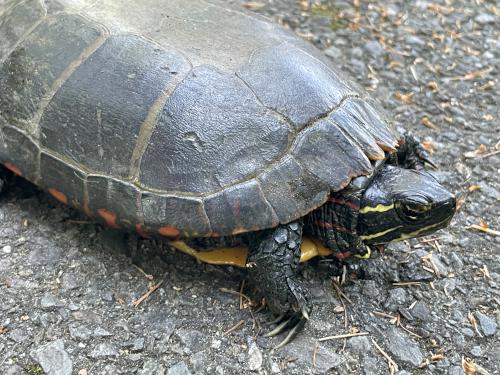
(281, 327)
(295, 324)
(291, 335)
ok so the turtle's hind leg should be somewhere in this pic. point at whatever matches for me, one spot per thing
(273, 267)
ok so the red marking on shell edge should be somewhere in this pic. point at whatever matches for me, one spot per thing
(60, 196)
(139, 228)
(13, 169)
(341, 255)
(324, 224)
(109, 217)
(343, 202)
(168, 231)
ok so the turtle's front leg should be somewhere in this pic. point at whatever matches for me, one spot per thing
(273, 266)
(411, 154)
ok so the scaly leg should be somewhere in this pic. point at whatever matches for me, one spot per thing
(273, 266)
(411, 154)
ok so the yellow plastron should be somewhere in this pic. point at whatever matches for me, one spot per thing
(237, 256)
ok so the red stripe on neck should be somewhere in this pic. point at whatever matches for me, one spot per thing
(343, 202)
(325, 224)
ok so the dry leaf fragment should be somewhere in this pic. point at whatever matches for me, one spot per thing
(437, 357)
(473, 74)
(304, 5)
(487, 86)
(338, 309)
(473, 322)
(404, 98)
(485, 273)
(483, 224)
(440, 9)
(469, 366)
(482, 149)
(254, 5)
(433, 85)
(428, 123)
(393, 64)
(429, 146)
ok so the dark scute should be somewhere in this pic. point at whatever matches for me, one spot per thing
(292, 191)
(360, 111)
(115, 196)
(354, 126)
(240, 208)
(294, 83)
(16, 22)
(96, 116)
(183, 213)
(57, 174)
(212, 133)
(329, 154)
(20, 151)
(29, 72)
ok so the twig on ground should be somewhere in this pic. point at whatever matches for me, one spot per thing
(408, 283)
(147, 294)
(234, 328)
(484, 229)
(393, 366)
(345, 336)
(239, 294)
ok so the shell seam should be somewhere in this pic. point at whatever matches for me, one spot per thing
(65, 75)
(27, 33)
(150, 122)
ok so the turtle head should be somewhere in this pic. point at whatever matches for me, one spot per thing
(403, 203)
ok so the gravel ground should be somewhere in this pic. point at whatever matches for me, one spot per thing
(67, 286)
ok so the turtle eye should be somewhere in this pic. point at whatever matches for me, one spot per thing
(417, 209)
(414, 211)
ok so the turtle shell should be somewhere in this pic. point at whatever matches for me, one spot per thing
(178, 118)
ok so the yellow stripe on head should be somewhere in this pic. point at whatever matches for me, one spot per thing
(380, 234)
(377, 208)
(405, 236)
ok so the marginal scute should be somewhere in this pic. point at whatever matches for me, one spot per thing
(361, 133)
(360, 111)
(18, 150)
(111, 195)
(330, 155)
(16, 22)
(240, 208)
(294, 83)
(183, 213)
(58, 174)
(30, 71)
(291, 190)
(105, 102)
(212, 133)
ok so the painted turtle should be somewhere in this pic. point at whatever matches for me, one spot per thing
(209, 126)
